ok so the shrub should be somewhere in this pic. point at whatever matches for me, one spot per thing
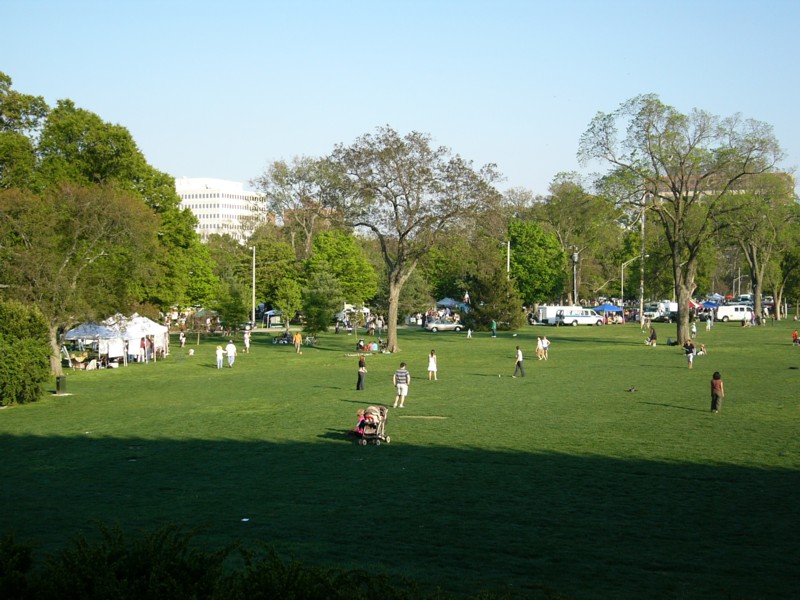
(155, 564)
(15, 565)
(25, 348)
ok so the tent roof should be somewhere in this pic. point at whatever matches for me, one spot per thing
(91, 331)
(608, 308)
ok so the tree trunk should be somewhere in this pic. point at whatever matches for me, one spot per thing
(55, 354)
(391, 321)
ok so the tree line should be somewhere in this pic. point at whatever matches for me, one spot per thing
(89, 228)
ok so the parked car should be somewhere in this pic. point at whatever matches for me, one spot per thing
(435, 325)
(584, 316)
(670, 317)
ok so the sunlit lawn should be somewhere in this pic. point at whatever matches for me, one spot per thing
(563, 482)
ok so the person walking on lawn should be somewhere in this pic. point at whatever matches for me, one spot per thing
(518, 366)
(401, 380)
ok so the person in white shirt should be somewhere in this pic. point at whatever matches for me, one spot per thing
(230, 350)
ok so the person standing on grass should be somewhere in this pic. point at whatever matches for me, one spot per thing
(220, 354)
(401, 380)
(689, 348)
(518, 366)
(717, 392)
(494, 328)
(297, 340)
(362, 372)
(539, 348)
(546, 347)
(433, 367)
(230, 350)
(247, 342)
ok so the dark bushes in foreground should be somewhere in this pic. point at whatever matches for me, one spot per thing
(163, 564)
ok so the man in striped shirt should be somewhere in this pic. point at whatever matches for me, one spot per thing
(401, 380)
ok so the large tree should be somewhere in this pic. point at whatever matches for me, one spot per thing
(74, 251)
(537, 261)
(406, 193)
(686, 165)
(765, 209)
(297, 193)
(585, 225)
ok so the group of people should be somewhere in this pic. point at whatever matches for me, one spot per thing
(401, 377)
(229, 351)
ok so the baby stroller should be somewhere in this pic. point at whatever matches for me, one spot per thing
(372, 426)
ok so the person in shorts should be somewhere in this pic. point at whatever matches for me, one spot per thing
(401, 380)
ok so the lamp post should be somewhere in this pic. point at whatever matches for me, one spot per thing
(622, 278)
(253, 312)
(575, 258)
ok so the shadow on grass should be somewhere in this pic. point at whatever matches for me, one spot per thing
(674, 406)
(581, 526)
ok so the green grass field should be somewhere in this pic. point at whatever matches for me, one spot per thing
(560, 483)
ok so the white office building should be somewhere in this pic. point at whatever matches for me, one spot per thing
(222, 207)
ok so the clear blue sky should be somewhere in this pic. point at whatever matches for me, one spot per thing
(221, 89)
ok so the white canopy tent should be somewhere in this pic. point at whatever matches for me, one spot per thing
(109, 341)
(136, 327)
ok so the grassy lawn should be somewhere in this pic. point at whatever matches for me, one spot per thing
(562, 482)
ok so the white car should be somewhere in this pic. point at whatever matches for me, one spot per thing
(585, 316)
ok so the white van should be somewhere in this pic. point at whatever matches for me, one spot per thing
(734, 312)
(584, 316)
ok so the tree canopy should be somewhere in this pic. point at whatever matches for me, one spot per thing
(406, 194)
(686, 165)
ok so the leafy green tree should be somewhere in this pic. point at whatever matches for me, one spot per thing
(25, 348)
(74, 251)
(297, 193)
(322, 299)
(496, 298)
(537, 262)
(584, 224)
(338, 253)
(764, 207)
(406, 194)
(686, 165)
(21, 116)
(276, 266)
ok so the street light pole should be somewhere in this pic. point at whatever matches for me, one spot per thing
(622, 278)
(575, 259)
(641, 265)
(253, 313)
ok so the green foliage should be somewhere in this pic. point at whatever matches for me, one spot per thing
(338, 253)
(275, 266)
(16, 561)
(232, 303)
(322, 299)
(154, 564)
(495, 297)
(25, 348)
(537, 262)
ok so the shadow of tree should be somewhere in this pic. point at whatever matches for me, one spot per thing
(465, 519)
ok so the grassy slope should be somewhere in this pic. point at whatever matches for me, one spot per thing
(561, 481)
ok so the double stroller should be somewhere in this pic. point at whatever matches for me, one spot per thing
(371, 426)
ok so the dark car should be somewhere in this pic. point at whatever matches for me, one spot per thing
(671, 317)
